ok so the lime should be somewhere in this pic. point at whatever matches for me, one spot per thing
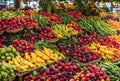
(11, 54)
(2, 50)
(6, 54)
(17, 53)
(3, 68)
(12, 74)
(2, 57)
(8, 58)
(4, 74)
(14, 50)
(8, 49)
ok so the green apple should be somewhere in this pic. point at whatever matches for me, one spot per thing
(2, 57)
(8, 58)
(6, 54)
(14, 50)
(2, 51)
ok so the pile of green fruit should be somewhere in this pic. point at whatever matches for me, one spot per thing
(6, 71)
(8, 14)
(7, 53)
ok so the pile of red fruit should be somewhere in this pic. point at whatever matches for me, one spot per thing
(2, 39)
(66, 49)
(13, 24)
(22, 46)
(1, 25)
(87, 39)
(75, 26)
(109, 42)
(62, 71)
(52, 17)
(94, 73)
(47, 34)
(31, 37)
(17, 24)
(84, 55)
(29, 23)
(75, 14)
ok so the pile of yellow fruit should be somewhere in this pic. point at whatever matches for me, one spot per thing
(114, 24)
(104, 51)
(35, 59)
(70, 6)
(116, 38)
(102, 13)
(62, 30)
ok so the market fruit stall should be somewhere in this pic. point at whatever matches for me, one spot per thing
(58, 47)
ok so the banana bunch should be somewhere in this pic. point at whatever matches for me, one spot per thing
(62, 30)
(104, 51)
(21, 64)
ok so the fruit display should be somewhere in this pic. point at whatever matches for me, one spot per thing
(91, 25)
(20, 64)
(62, 30)
(112, 69)
(61, 71)
(29, 23)
(115, 37)
(51, 17)
(42, 21)
(31, 37)
(8, 14)
(35, 59)
(109, 42)
(75, 14)
(47, 34)
(66, 18)
(110, 53)
(7, 53)
(16, 24)
(62, 46)
(87, 39)
(114, 24)
(75, 26)
(84, 55)
(22, 46)
(6, 71)
(29, 12)
(70, 6)
(13, 24)
(41, 44)
(94, 73)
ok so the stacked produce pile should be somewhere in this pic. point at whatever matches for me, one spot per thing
(59, 50)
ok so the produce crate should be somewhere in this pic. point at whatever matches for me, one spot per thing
(21, 75)
(52, 23)
(1, 32)
(52, 40)
(14, 31)
(87, 64)
(12, 79)
(116, 60)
